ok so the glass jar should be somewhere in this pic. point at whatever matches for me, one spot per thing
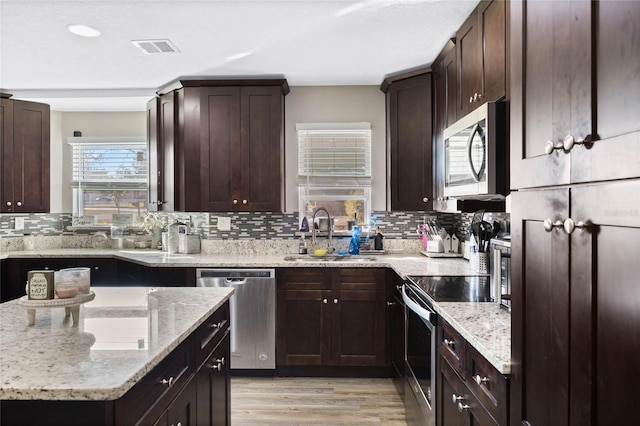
(66, 289)
(99, 240)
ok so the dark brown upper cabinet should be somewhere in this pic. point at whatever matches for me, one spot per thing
(222, 145)
(481, 56)
(25, 156)
(409, 145)
(574, 92)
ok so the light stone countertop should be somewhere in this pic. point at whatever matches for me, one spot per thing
(491, 335)
(486, 326)
(121, 335)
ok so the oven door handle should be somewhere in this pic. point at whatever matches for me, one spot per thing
(423, 312)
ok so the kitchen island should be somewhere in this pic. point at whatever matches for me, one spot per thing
(135, 357)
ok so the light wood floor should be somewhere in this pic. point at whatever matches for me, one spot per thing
(315, 401)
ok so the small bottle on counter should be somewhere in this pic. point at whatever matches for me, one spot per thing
(302, 247)
(377, 242)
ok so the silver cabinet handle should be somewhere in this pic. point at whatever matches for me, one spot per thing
(549, 224)
(335, 301)
(448, 342)
(570, 141)
(9, 203)
(470, 99)
(244, 202)
(169, 382)
(391, 303)
(216, 325)
(235, 202)
(96, 268)
(19, 203)
(549, 147)
(425, 199)
(218, 363)
(325, 301)
(480, 380)
(159, 202)
(570, 225)
(462, 407)
(456, 398)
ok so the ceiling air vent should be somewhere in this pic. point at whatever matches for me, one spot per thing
(155, 46)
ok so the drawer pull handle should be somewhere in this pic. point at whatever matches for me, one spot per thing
(462, 407)
(217, 325)
(480, 380)
(456, 398)
(218, 363)
(169, 382)
(449, 343)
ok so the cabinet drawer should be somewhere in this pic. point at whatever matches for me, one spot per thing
(452, 347)
(364, 279)
(303, 279)
(211, 332)
(151, 395)
(488, 385)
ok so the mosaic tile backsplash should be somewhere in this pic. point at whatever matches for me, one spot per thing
(255, 226)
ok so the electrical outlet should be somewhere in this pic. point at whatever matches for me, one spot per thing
(19, 224)
(224, 223)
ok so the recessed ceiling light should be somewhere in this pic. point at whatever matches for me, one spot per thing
(83, 30)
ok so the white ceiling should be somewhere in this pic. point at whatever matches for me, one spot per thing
(308, 42)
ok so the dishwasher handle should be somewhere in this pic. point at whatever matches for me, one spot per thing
(235, 281)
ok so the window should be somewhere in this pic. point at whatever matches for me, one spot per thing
(334, 171)
(109, 176)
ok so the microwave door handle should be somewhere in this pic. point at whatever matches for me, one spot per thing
(477, 130)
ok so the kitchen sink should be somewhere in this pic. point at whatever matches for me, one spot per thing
(328, 258)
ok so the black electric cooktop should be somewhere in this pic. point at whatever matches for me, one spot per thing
(453, 288)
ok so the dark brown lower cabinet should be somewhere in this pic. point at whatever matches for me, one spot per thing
(332, 317)
(182, 410)
(214, 387)
(470, 390)
(576, 304)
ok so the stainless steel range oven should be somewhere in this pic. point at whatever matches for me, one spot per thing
(419, 294)
(420, 359)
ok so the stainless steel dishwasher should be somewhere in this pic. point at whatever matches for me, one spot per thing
(253, 314)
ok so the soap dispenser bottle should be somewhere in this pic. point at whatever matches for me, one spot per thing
(354, 245)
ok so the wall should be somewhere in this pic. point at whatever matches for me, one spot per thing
(331, 104)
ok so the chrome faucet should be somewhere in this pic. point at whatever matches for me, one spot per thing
(313, 228)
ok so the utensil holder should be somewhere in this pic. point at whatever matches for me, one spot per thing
(479, 262)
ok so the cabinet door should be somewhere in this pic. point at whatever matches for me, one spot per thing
(30, 157)
(550, 87)
(304, 321)
(605, 303)
(409, 116)
(6, 150)
(261, 173)
(358, 317)
(447, 408)
(155, 158)
(104, 272)
(615, 154)
(540, 308)
(303, 316)
(182, 411)
(468, 65)
(214, 387)
(220, 149)
(492, 49)
(167, 170)
(358, 328)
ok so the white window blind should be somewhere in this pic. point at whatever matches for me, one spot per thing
(334, 169)
(109, 176)
(338, 154)
(119, 161)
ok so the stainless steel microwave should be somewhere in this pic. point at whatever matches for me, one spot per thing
(476, 154)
